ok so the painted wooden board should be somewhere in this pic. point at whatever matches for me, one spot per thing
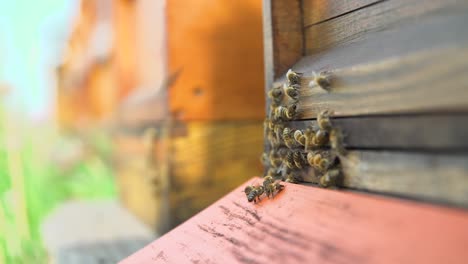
(318, 11)
(304, 224)
(386, 15)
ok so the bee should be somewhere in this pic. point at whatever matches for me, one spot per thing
(288, 139)
(330, 178)
(319, 161)
(271, 187)
(272, 139)
(323, 120)
(253, 193)
(267, 179)
(291, 177)
(309, 135)
(278, 129)
(321, 80)
(292, 91)
(300, 137)
(289, 160)
(285, 112)
(275, 159)
(293, 77)
(274, 172)
(276, 95)
(336, 141)
(267, 125)
(264, 159)
(320, 138)
(292, 111)
(299, 159)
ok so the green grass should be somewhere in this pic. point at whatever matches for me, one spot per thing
(32, 182)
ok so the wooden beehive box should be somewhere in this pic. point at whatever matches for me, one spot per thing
(206, 121)
(398, 88)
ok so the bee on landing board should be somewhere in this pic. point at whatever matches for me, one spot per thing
(323, 120)
(285, 113)
(321, 80)
(330, 178)
(287, 137)
(320, 161)
(253, 192)
(293, 77)
(300, 137)
(276, 95)
(273, 188)
(292, 91)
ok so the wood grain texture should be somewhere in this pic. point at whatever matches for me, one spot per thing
(428, 81)
(141, 166)
(439, 178)
(209, 161)
(218, 45)
(386, 15)
(304, 224)
(283, 36)
(434, 132)
(316, 11)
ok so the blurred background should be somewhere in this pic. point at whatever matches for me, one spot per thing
(120, 119)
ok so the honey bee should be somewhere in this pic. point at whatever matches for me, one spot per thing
(271, 187)
(299, 159)
(300, 137)
(272, 139)
(274, 172)
(290, 177)
(293, 77)
(289, 160)
(253, 193)
(288, 139)
(319, 161)
(275, 159)
(285, 113)
(276, 94)
(264, 159)
(309, 135)
(336, 141)
(323, 120)
(330, 178)
(278, 129)
(320, 138)
(321, 80)
(267, 125)
(293, 91)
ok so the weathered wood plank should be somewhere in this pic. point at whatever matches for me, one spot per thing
(440, 178)
(316, 11)
(304, 224)
(428, 81)
(209, 161)
(385, 15)
(283, 36)
(434, 132)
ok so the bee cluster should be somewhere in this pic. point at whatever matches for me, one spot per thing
(290, 151)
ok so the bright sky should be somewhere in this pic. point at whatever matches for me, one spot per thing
(32, 36)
